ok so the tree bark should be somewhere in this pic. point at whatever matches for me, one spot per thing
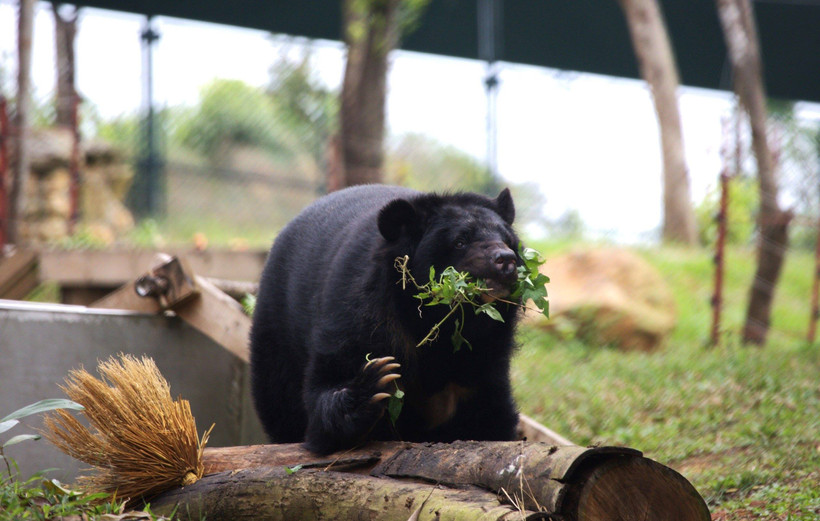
(20, 172)
(656, 62)
(737, 20)
(65, 31)
(371, 32)
(571, 482)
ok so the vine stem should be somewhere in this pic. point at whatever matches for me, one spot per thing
(435, 329)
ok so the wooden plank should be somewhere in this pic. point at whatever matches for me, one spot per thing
(126, 298)
(113, 268)
(18, 274)
(534, 431)
(219, 317)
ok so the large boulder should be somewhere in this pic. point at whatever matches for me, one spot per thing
(610, 297)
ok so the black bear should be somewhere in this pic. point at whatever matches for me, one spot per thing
(334, 334)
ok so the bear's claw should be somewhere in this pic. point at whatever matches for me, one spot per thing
(379, 372)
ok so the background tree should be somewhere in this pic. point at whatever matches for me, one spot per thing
(737, 20)
(20, 172)
(372, 29)
(65, 31)
(656, 62)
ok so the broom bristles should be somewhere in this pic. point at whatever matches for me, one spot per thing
(142, 441)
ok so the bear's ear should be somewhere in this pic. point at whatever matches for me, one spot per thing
(505, 207)
(398, 218)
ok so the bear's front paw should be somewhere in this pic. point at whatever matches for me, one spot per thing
(375, 377)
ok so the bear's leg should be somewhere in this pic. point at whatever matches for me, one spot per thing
(490, 415)
(342, 416)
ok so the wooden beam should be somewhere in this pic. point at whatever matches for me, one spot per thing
(115, 267)
(172, 285)
(18, 274)
(219, 317)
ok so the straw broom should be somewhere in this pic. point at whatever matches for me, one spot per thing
(142, 442)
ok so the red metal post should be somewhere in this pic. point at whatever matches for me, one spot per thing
(815, 292)
(74, 167)
(720, 246)
(4, 162)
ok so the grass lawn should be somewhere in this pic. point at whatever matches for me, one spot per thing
(741, 423)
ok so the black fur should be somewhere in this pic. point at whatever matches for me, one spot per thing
(329, 298)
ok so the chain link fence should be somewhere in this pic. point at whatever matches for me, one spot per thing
(235, 162)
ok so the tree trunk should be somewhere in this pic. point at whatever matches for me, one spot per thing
(371, 32)
(739, 31)
(20, 172)
(656, 62)
(571, 482)
(65, 31)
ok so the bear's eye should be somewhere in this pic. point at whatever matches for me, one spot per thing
(460, 243)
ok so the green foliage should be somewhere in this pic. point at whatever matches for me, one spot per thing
(249, 304)
(229, 112)
(532, 284)
(39, 498)
(422, 163)
(306, 107)
(742, 213)
(410, 13)
(122, 131)
(395, 404)
(454, 289)
(12, 420)
(294, 469)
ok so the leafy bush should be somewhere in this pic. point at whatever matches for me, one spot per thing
(229, 112)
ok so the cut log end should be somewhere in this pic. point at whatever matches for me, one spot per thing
(634, 488)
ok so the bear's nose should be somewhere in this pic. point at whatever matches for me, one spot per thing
(504, 261)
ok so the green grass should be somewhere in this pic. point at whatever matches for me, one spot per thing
(39, 498)
(741, 423)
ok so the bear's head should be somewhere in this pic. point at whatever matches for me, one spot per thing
(470, 232)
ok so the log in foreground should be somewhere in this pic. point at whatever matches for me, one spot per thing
(272, 493)
(570, 483)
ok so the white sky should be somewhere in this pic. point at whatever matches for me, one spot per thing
(589, 142)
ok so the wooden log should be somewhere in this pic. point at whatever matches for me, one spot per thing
(599, 483)
(274, 493)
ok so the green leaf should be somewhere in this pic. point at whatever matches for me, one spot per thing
(58, 489)
(394, 405)
(43, 406)
(489, 310)
(294, 469)
(21, 437)
(6, 425)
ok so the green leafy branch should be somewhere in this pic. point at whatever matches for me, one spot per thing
(532, 284)
(455, 289)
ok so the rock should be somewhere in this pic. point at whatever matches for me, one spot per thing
(610, 297)
(100, 205)
(105, 177)
(50, 148)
